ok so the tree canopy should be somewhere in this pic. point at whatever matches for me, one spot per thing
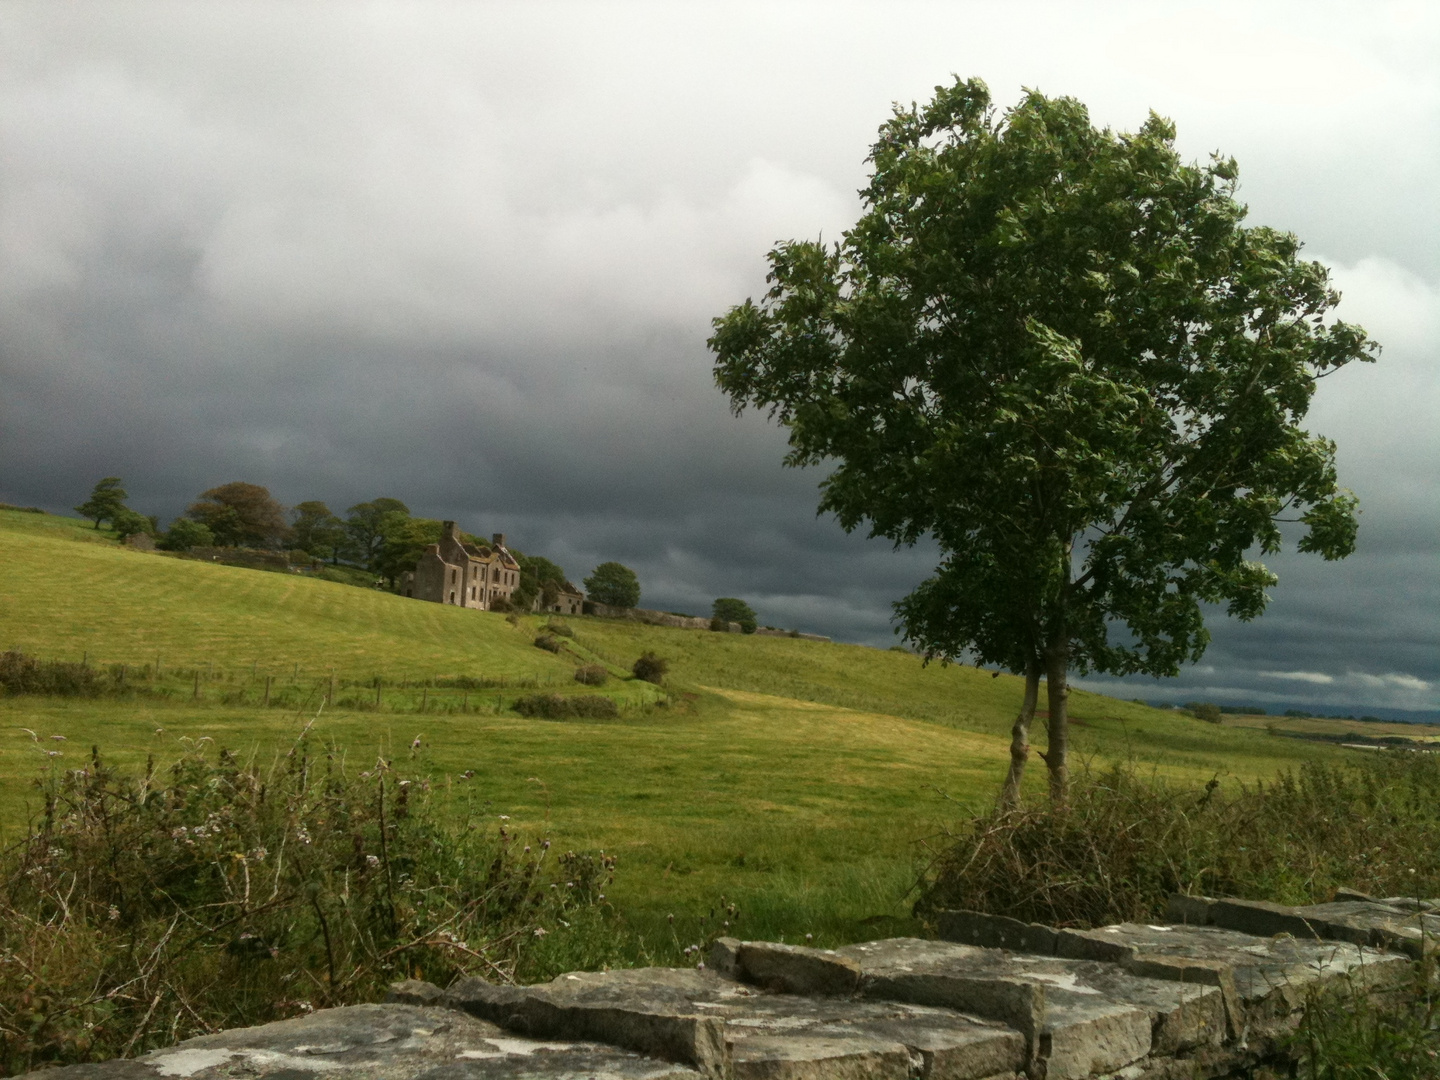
(729, 609)
(106, 500)
(1059, 352)
(314, 529)
(370, 523)
(613, 585)
(241, 515)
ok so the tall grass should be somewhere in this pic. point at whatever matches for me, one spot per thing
(144, 908)
(1127, 841)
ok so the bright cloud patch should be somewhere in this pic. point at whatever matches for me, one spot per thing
(1316, 677)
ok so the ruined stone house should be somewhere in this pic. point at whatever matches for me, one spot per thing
(568, 601)
(464, 574)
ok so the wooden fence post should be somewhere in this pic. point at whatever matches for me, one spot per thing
(267, 690)
(196, 695)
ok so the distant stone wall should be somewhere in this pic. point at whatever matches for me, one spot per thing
(766, 631)
(1212, 993)
(652, 618)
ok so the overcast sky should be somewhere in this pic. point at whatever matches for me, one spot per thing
(467, 256)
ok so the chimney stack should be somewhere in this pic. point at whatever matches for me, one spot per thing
(451, 530)
(499, 539)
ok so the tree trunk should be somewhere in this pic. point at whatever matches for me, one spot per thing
(1057, 750)
(1020, 737)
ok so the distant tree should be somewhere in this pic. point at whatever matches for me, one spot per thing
(369, 523)
(105, 501)
(241, 514)
(185, 534)
(728, 609)
(613, 585)
(1058, 353)
(405, 541)
(127, 523)
(314, 529)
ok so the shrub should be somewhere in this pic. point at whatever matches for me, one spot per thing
(558, 707)
(1125, 843)
(562, 629)
(592, 675)
(21, 674)
(651, 668)
(1346, 1035)
(1205, 710)
(185, 534)
(222, 894)
(548, 642)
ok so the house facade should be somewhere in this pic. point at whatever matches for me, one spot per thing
(464, 574)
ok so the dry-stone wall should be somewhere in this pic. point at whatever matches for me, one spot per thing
(1211, 993)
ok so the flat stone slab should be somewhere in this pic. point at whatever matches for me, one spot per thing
(378, 1042)
(1411, 927)
(1083, 1017)
(750, 1032)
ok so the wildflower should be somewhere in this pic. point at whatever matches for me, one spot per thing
(504, 817)
(302, 835)
(527, 849)
(114, 913)
(540, 931)
(372, 860)
(469, 774)
(809, 938)
(416, 744)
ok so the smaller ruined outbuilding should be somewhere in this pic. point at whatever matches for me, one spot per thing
(457, 572)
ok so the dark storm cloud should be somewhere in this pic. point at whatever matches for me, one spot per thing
(467, 256)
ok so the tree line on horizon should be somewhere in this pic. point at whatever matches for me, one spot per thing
(380, 536)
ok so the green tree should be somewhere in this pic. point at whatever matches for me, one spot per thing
(314, 529)
(127, 523)
(728, 609)
(369, 523)
(241, 514)
(185, 534)
(405, 541)
(105, 501)
(1060, 353)
(613, 585)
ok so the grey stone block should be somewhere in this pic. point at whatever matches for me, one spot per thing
(808, 1057)
(1188, 910)
(414, 992)
(995, 932)
(723, 955)
(642, 1010)
(793, 969)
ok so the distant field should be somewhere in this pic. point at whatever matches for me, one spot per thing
(795, 777)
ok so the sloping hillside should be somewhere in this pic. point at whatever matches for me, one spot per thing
(795, 777)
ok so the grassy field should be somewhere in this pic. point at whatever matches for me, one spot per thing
(799, 779)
